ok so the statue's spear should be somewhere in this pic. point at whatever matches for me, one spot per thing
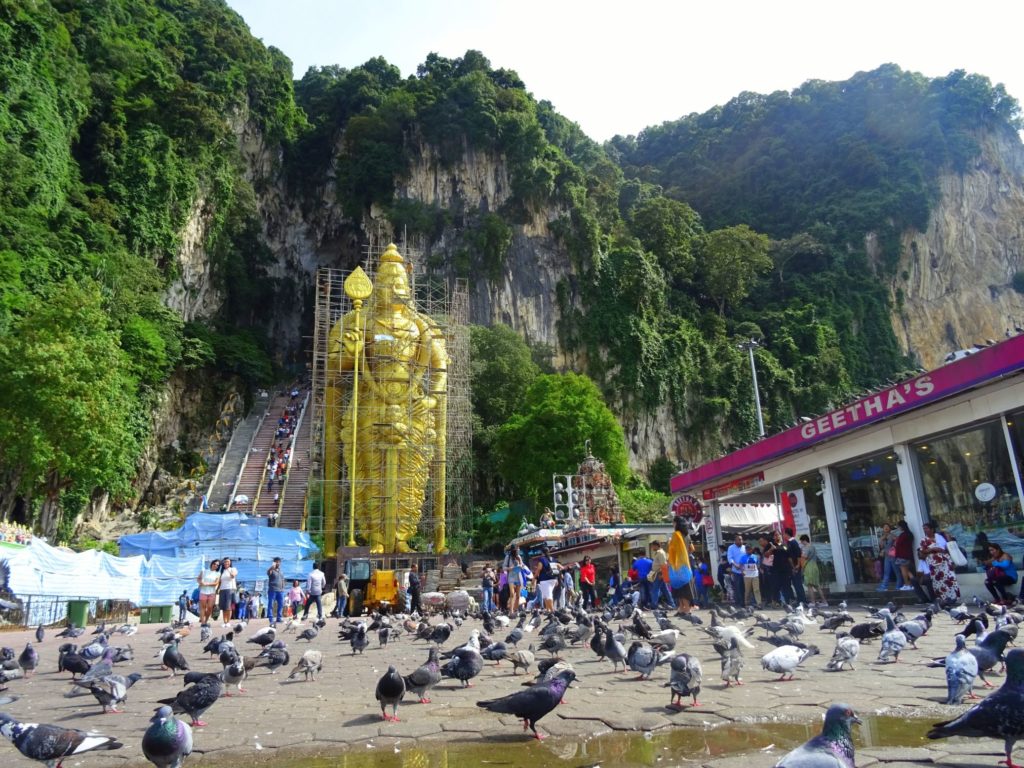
(358, 288)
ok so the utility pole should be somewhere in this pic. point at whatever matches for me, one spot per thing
(750, 346)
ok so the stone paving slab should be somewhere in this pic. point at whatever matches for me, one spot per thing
(338, 713)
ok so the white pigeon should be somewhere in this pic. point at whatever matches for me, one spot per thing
(502, 620)
(893, 641)
(785, 659)
(727, 633)
(847, 649)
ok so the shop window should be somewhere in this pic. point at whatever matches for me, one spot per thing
(969, 490)
(803, 496)
(870, 491)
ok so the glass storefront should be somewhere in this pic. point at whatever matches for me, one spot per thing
(804, 493)
(969, 489)
(869, 488)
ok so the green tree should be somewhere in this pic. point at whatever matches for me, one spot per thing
(733, 258)
(548, 434)
(670, 230)
(66, 418)
(643, 505)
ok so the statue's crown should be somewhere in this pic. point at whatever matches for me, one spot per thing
(391, 255)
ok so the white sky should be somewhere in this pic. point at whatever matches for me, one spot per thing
(618, 67)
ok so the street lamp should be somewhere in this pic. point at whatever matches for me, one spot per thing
(750, 346)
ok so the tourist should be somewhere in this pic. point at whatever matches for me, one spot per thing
(752, 578)
(811, 569)
(795, 558)
(588, 583)
(487, 587)
(903, 556)
(296, 597)
(341, 594)
(209, 579)
(642, 565)
(735, 554)
(414, 590)
(275, 591)
(182, 606)
(1000, 574)
(887, 554)
(724, 577)
(656, 577)
(615, 592)
(315, 583)
(513, 566)
(933, 550)
(227, 586)
(783, 567)
(546, 574)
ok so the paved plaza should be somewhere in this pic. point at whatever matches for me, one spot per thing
(277, 720)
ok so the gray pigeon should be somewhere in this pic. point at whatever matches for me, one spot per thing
(533, 703)
(425, 677)
(309, 634)
(359, 640)
(961, 671)
(495, 652)
(28, 660)
(614, 650)
(197, 698)
(173, 660)
(847, 649)
(168, 741)
(520, 658)
(273, 658)
(685, 679)
(464, 665)
(110, 690)
(893, 641)
(234, 674)
(40, 634)
(644, 659)
(999, 716)
(832, 748)
(390, 690)
(732, 660)
(52, 744)
(310, 663)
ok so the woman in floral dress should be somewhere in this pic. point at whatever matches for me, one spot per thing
(932, 550)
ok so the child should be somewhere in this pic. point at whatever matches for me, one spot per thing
(182, 605)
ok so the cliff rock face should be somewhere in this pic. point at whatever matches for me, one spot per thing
(958, 287)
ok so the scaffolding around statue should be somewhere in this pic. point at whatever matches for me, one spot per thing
(391, 410)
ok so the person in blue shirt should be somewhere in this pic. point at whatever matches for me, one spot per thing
(182, 605)
(735, 554)
(643, 565)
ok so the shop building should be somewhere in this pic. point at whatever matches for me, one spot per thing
(945, 445)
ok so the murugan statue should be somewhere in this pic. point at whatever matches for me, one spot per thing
(392, 427)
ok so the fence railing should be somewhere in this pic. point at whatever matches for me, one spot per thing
(50, 610)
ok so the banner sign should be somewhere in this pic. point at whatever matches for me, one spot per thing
(688, 507)
(953, 378)
(736, 486)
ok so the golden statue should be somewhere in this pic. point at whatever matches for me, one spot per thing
(392, 427)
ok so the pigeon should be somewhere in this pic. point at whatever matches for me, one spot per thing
(110, 690)
(732, 661)
(516, 634)
(867, 631)
(999, 716)
(168, 741)
(74, 663)
(554, 644)
(520, 658)
(235, 674)
(71, 631)
(424, 677)
(533, 703)
(834, 622)
(197, 698)
(273, 658)
(264, 637)
(614, 650)
(440, 634)
(28, 660)
(684, 679)
(310, 663)
(383, 636)
(40, 634)
(173, 660)
(786, 659)
(961, 671)
(495, 652)
(359, 640)
(644, 659)
(832, 748)
(464, 666)
(846, 651)
(988, 652)
(52, 744)
(390, 690)
(309, 634)
(893, 641)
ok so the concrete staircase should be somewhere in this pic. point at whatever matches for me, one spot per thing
(235, 454)
(293, 500)
(251, 473)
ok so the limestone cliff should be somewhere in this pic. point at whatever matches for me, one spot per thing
(956, 276)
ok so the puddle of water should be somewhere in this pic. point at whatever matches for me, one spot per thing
(622, 750)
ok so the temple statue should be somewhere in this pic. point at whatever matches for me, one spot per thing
(391, 428)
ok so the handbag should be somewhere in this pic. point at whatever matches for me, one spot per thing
(956, 554)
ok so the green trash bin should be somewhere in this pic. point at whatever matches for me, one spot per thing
(163, 614)
(78, 612)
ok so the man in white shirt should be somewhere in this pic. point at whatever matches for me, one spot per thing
(315, 583)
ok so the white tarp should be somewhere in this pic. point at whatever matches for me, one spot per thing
(40, 569)
(748, 515)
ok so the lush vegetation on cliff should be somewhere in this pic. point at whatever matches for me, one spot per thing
(115, 130)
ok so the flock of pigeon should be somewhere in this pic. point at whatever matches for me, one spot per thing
(543, 648)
